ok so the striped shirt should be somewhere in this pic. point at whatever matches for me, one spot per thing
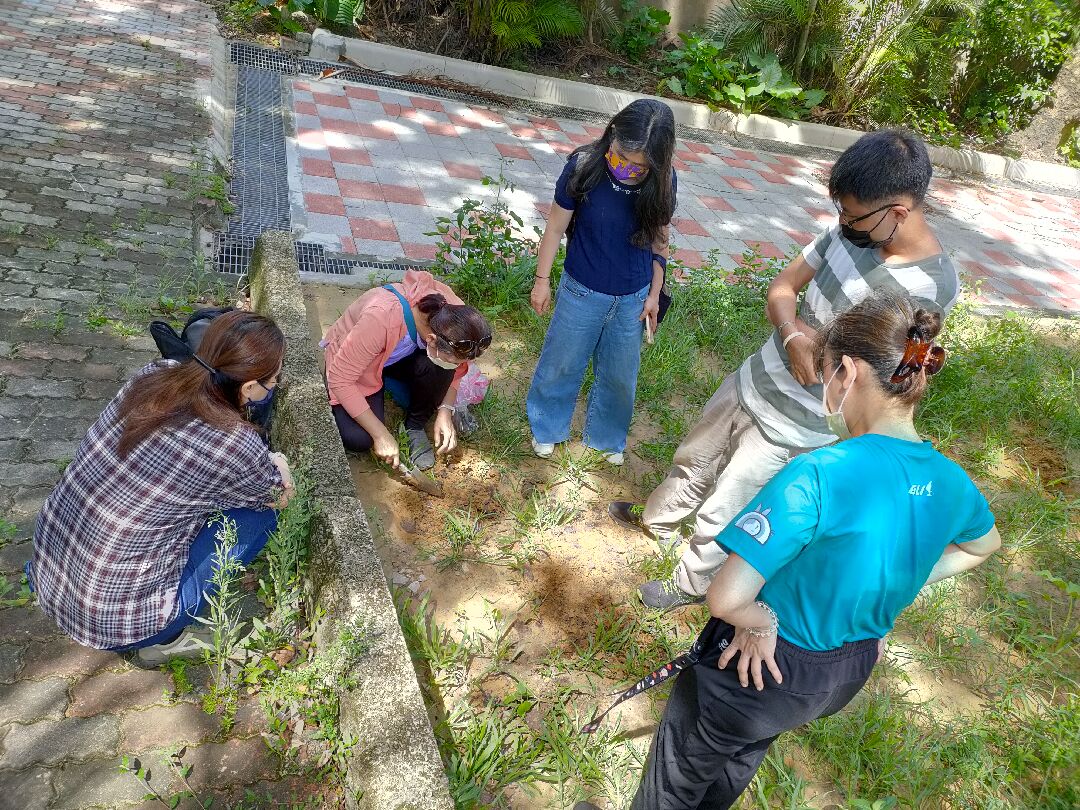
(113, 538)
(789, 413)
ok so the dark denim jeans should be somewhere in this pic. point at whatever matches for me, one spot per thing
(253, 529)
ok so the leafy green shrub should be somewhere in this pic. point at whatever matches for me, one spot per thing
(807, 36)
(503, 27)
(489, 265)
(701, 69)
(1016, 49)
(642, 29)
(339, 12)
(279, 13)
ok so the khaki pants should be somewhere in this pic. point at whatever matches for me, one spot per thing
(720, 466)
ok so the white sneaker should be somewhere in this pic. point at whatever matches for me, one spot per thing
(542, 449)
(190, 644)
(614, 459)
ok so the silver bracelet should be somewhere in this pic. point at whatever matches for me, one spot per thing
(445, 407)
(792, 336)
(780, 328)
(757, 632)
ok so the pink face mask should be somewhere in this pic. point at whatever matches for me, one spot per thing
(621, 169)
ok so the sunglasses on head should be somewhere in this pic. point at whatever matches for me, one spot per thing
(919, 354)
(466, 348)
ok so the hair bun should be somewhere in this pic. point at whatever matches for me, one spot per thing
(927, 324)
(431, 303)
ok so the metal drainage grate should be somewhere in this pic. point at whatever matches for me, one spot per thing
(244, 53)
(312, 258)
(260, 188)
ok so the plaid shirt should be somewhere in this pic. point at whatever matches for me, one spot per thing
(113, 538)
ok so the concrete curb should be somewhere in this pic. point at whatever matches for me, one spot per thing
(395, 764)
(548, 90)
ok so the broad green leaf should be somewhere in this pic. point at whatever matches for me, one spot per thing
(736, 92)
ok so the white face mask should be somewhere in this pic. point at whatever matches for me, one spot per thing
(434, 358)
(836, 421)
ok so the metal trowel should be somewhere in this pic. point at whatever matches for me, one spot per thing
(421, 480)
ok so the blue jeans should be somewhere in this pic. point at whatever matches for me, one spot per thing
(588, 325)
(253, 529)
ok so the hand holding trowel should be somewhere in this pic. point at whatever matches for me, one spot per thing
(421, 480)
(396, 456)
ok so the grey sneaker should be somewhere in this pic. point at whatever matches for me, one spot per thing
(420, 449)
(664, 594)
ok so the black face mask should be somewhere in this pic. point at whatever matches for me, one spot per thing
(861, 239)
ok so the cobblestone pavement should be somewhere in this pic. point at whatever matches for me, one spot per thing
(99, 124)
(377, 166)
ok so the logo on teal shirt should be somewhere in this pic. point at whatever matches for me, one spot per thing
(756, 524)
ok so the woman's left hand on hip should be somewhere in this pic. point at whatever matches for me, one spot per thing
(755, 652)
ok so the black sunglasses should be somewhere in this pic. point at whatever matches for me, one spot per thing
(850, 221)
(466, 348)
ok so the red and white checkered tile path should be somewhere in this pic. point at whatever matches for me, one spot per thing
(376, 167)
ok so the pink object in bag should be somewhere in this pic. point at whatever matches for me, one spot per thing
(473, 387)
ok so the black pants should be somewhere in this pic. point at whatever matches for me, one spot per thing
(426, 385)
(715, 733)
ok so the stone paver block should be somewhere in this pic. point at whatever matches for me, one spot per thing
(26, 623)
(100, 783)
(51, 351)
(250, 719)
(10, 661)
(31, 789)
(236, 762)
(13, 557)
(167, 727)
(49, 742)
(30, 701)
(63, 656)
(117, 692)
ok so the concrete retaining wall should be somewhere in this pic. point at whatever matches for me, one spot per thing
(548, 90)
(396, 764)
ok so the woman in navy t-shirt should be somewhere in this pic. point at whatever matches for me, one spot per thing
(620, 193)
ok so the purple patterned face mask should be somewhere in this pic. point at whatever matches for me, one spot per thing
(623, 170)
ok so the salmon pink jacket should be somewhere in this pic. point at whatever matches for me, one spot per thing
(362, 339)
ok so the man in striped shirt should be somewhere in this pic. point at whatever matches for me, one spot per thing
(770, 409)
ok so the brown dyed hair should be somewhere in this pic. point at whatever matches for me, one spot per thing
(454, 322)
(876, 331)
(240, 346)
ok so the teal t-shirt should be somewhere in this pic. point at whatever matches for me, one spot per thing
(845, 536)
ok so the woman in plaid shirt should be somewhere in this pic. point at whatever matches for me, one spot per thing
(124, 546)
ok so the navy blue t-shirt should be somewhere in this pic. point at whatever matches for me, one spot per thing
(600, 254)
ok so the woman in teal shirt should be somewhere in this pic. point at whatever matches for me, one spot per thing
(821, 563)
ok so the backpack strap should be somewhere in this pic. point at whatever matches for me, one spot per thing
(410, 323)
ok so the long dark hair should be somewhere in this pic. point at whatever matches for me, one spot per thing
(240, 347)
(877, 331)
(648, 126)
(454, 322)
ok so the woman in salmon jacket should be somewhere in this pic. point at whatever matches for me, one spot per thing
(415, 339)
